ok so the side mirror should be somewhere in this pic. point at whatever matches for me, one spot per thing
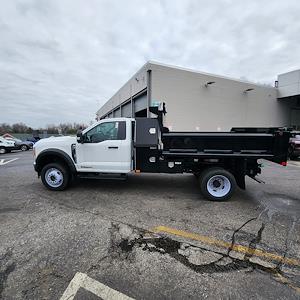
(79, 137)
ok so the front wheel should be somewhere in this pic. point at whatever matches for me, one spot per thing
(217, 184)
(2, 150)
(55, 177)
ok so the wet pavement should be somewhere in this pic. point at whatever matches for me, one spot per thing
(150, 237)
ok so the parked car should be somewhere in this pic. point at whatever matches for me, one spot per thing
(294, 148)
(33, 139)
(19, 144)
(24, 145)
(6, 145)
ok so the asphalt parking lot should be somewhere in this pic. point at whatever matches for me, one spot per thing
(150, 237)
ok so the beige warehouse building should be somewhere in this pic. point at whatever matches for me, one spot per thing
(197, 101)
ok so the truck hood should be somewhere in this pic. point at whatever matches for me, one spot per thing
(55, 142)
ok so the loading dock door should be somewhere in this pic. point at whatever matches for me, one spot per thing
(140, 103)
(126, 110)
(117, 113)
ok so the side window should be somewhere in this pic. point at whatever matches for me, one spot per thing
(107, 131)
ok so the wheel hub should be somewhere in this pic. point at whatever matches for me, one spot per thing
(218, 186)
(54, 177)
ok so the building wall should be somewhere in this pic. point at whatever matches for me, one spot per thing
(289, 93)
(289, 84)
(132, 87)
(193, 107)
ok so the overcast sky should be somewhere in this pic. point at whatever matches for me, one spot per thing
(61, 60)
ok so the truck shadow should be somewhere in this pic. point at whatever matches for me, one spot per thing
(170, 186)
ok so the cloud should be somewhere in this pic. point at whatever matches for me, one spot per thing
(61, 60)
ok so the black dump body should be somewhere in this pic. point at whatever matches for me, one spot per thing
(271, 146)
(159, 151)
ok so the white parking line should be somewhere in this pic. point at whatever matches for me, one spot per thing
(9, 156)
(81, 280)
(3, 162)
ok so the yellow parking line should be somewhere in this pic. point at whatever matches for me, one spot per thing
(223, 244)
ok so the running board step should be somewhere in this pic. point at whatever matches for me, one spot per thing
(102, 176)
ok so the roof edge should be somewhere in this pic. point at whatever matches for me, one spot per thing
(153, 62)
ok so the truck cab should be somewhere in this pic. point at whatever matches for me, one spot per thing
(105, 147)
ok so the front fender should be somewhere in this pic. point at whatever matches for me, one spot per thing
(52, 155)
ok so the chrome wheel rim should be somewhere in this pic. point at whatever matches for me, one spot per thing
(54, 177)
(218, 186)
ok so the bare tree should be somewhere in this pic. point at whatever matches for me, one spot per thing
(64, 128)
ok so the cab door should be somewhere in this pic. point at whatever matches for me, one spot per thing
(105, 149)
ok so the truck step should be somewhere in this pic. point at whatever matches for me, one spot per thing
(104, 176)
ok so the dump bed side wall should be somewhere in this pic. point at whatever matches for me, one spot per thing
(204, 142)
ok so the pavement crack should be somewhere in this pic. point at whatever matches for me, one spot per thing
(287, 245)
(253, 243)
(5, 269)
(165, 245)
(122, 240)
(97, 265)
(6, 255)
(235, 232)
(125, 241)
(123, 247)
(4, 275)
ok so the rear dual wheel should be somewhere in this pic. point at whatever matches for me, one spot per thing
(217, 184)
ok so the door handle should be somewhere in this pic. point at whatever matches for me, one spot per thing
(113, 147)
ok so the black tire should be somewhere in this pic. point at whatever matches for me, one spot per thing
(217, 176)
(24, 147)
(59, 171)
(2, 150)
